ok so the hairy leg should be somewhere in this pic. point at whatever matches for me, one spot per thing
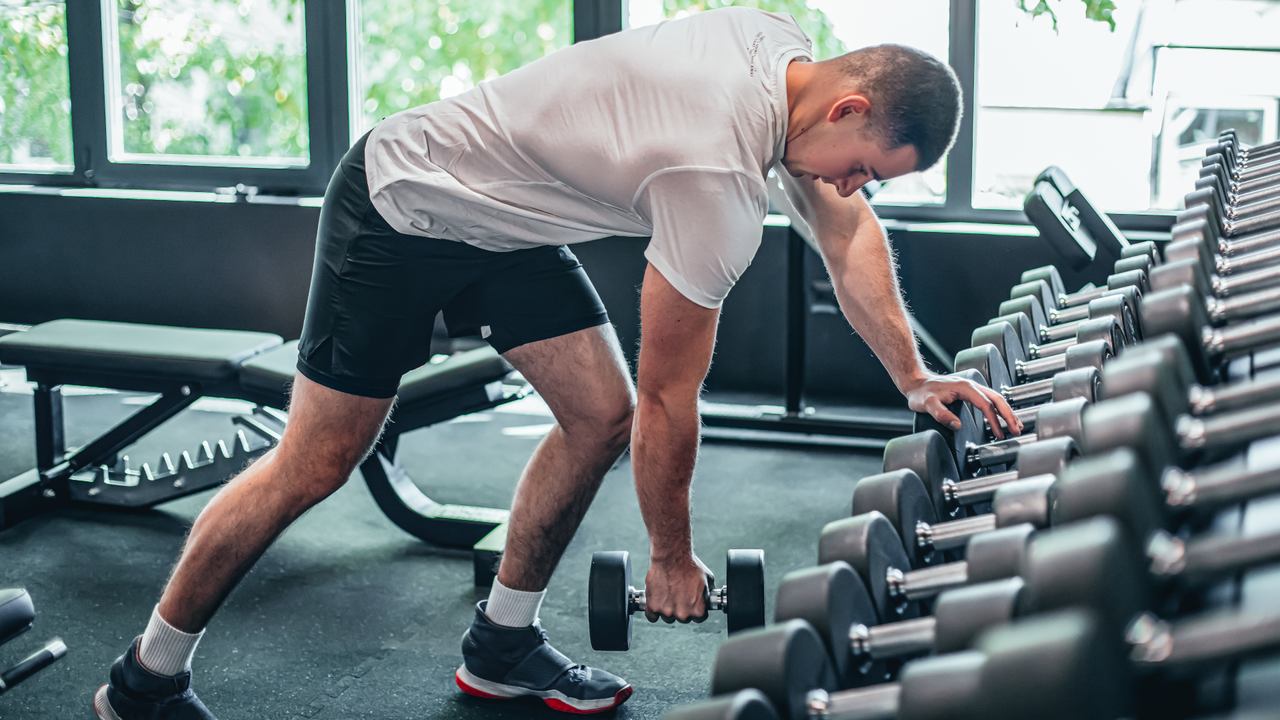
(327, 436)
(584, 379)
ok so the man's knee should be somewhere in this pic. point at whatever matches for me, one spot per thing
(606, 422)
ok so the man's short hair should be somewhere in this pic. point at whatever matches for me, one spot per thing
(915, 98)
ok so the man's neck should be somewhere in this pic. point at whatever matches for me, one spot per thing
(800, 78)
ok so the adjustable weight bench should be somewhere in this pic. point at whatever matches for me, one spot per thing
(185, 364)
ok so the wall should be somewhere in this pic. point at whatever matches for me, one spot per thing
(248, 266)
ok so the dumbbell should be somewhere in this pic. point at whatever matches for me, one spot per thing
(1090, 564)
(1148, 258)
(1162, 368)
(1051, 667)
(1116, 484)
(927, 456)
(1235, 205)
(1057, 419)
(1190, 264)
(1182, 311)
(1054, 325)
(1229, 255)
(1208, 204)
(1022, 346)
(1044, 379)
(1062, 303)
(17, 614)
(611, 598)
(1101, 561)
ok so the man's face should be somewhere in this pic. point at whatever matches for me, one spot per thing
(841, 152)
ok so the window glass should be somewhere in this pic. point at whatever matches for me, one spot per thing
(836, 27)
(412, 52)
(209, 81)
(35, 100)
(1127, 112)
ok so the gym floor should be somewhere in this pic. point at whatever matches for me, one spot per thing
(347, 616)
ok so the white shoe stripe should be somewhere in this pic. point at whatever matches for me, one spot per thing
(511, 691)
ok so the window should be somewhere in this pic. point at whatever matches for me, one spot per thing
(35, 99)
(1126, 113)
(836, 27)
(412, 52)
(208, 82)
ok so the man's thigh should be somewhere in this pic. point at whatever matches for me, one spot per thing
(582, 375)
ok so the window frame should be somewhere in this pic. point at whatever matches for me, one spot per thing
(330, 27)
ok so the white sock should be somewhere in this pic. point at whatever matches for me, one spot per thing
(512, 608)
(166, 650)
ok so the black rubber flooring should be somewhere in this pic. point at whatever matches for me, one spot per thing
(347, 616)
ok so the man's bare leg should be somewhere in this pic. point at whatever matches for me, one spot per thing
(584, 379)
(327, 436)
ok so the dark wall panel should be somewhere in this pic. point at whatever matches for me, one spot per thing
(237, 266)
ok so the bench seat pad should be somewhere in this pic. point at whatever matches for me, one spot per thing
(271, 372)
(152, 351)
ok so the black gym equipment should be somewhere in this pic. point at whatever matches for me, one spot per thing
(1124, 304)
(1052, 666)
(928, 457)
(612, 599)
(1091, 565)
(1182, 312)
(185, 364)
(17, 614)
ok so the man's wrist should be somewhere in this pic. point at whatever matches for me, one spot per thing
(914, 380)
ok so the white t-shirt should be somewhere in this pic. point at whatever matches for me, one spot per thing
(665, 131)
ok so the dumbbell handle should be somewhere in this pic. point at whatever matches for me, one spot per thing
(1081, 297)
(953, 534)
(1026, 416)
(41, 659)
(1205, 559)
(878, 702)
(1205, 638)
(926, 582)
(1258, 196)
(976, 490)
(1071, 314)
(1244, 306)
(1243, 174)
(1262, 244)
(1241, 337)
(1243, 210)
(1002, 452)
(1037, 369)
(1245, 394)
(893, 640)
(1217, 485)
(717, 599)
(1031, 393)
(1228, 429)
(1244, 282)
(1251, 223)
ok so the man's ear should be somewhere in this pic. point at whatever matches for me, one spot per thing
(852, 104)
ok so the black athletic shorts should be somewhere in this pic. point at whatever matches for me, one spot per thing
(375, 293)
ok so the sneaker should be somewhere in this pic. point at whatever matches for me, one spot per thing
(136, 693)
(501, 663)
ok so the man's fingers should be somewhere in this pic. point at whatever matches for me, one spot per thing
(941, 413)
(1006, 412)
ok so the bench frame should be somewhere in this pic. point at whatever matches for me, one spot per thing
(95, 475)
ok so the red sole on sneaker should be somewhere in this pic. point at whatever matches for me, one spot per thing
(620, 697)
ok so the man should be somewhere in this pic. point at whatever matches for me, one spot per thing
(465, 206)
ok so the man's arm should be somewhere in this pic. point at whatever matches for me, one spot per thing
(856, 250)
(677, 338)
